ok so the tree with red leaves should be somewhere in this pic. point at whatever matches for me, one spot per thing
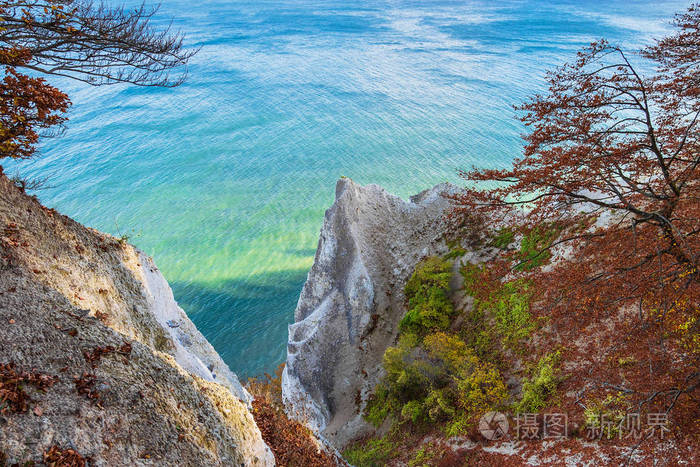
(27, 106)
(78, 39)
(611, 165)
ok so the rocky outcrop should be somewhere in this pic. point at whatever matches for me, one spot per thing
(131, 381)
(191, 350)
(352, 302)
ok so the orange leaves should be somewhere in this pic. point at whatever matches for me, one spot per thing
(93, 358)
(57, 457)
(291, 442)
(27, 106)
(613, 158)
(85, 385)
(598, 144)
(13, 398)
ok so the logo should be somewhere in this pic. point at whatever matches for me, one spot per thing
(493, 426)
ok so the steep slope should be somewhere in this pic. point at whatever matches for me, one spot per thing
(352, 301)
(568, 385)
(129, 379)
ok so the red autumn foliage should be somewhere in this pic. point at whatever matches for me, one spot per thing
(81, 40)
(27, 106)
(611, 162)
(85, 386)
(93, 358)
(291, 443)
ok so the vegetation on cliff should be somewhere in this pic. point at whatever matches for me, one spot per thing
(291, 442)
(585, 287)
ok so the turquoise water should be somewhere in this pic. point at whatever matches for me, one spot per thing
(225, 179)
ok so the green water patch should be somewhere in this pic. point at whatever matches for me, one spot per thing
(245, 319)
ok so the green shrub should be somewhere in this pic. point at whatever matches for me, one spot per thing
(454, 253)
(459, 425)
(542, 385)
(433, 376)
(533, 247)
(511, 310)
(452, 352)
(429, 273)
(473, 275)
(439, 405)
(428, 454)
(503, 238)
(373, 453)
(429, 305)
(420, 458)
(508, 304)
(607, 414)
(476, 387)
(413, 411)
(378, 406)
(482, 390)
(406, 374)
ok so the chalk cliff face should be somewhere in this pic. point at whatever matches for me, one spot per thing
(353, 299)
(70, 299)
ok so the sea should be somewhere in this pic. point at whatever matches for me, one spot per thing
(224, 180)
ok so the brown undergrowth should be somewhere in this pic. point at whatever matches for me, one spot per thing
(292, 444)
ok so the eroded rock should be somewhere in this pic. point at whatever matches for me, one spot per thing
(352, 302)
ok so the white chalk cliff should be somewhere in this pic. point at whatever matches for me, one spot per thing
(353, 299)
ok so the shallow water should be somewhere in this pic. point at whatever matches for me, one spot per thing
(225, 179)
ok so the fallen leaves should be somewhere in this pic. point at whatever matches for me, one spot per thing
(291, 442)
(13, 397)
(84, 384)
(57, 457)
(93, 358)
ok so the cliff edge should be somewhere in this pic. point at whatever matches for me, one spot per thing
(352, 302)
(97, 360)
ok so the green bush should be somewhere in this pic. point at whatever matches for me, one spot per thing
(508, 304)
(459, 425)
(429, 273)
(511, 310)
(533, 247)
(373, 453)
(413, 411)
(429, 305)
(542, 385)
(503, 238)
(440, 405)
(407, 374)
(482, 390)
(612, 410)
(379, 406)
(433, 376)
(473, 275)
(456, 252)
(429, 454)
